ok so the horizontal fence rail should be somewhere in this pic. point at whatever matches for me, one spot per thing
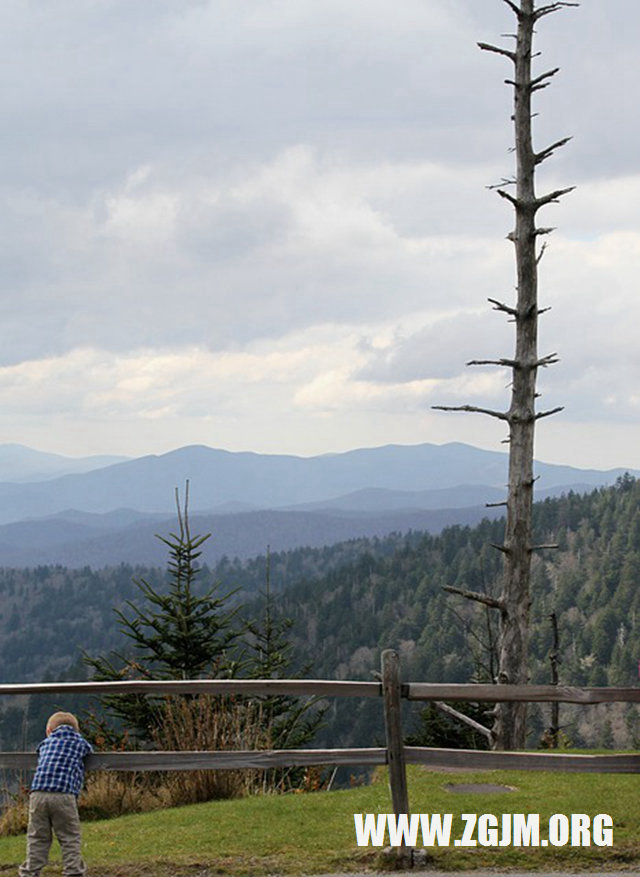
(413, 691)
(264, 759)
(476, 759)
(521, 693)
(314, 687)
(468, 759)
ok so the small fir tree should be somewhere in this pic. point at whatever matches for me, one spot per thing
(177, 634)
(288, 722)
(270, 656)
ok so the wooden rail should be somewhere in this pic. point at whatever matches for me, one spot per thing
(218, 760)
(475, 759)
(468, 759)
(414, 691)
(522, 693)
(314, 687)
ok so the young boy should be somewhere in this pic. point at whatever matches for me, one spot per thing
(53, 798)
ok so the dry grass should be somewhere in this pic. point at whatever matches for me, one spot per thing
(107, 795)
(210, 723)
(114, 793)
(15, 814)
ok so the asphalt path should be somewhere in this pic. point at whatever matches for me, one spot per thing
(412, 872)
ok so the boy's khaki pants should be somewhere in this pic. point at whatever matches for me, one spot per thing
(58, 812)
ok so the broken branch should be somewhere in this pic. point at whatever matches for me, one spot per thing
(551, 411)
(500, 415)
(450, 711)
(550, 359)
(506, 363)
(552, 197)
(475, 595)
(486, 47)
(513, 8)
(505, 181)
(552, 7)
(502, 548)
(500, 306)
(543, 76)
(541, 254)
(546, 153)
(508, 197)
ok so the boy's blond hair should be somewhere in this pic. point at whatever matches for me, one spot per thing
(60, 718)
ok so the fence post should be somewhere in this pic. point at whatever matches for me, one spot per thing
(395, 744)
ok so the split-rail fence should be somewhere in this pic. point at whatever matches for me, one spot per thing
(395, 754)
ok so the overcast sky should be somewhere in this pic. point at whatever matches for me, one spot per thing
(265, 225)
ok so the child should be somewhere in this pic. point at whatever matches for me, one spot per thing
(53, 798)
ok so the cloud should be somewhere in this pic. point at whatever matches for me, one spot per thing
(439, 349)
(181, 381)
(296, 242)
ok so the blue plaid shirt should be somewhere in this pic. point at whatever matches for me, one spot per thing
(61, 762)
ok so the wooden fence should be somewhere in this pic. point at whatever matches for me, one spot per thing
(395, 754)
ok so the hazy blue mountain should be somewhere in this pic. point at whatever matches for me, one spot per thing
(218, 477)
(76, 540)
(19, 463)
(378, 499)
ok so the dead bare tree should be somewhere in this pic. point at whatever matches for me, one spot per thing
(509, 730)
(554, 660)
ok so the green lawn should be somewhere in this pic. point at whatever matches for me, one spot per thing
(314, 833)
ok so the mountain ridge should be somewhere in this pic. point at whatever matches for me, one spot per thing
(249, 500)
(20, 463)
(147, 484)
(242, 535)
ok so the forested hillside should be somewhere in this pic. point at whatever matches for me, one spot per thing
(349, 601)
(50, 613)
(591, 581)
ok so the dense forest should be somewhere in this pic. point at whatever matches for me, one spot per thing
(349, 601)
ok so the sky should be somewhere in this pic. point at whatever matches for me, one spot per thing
(266, 225)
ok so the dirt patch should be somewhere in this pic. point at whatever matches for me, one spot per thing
(478, 788)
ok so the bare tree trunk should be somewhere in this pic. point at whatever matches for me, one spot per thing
(509, 728)
(554, 659)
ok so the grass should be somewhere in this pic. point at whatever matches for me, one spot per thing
(314, 833)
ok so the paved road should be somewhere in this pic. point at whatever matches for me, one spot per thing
(483, 873)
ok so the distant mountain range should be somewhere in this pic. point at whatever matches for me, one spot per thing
(19, 463)
(98, 512)
(85, 540)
